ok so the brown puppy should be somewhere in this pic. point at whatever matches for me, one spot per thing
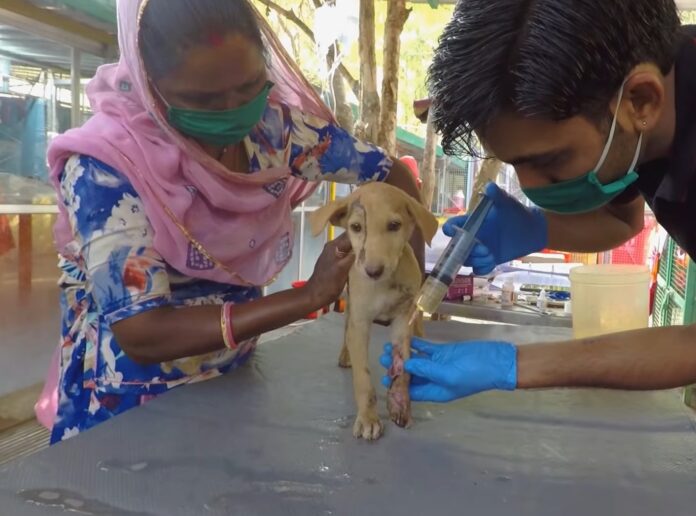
(382, 286)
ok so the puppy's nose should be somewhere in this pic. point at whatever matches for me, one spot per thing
(375, 272)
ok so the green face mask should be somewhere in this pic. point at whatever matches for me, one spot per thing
(586, 193)
(220, 128)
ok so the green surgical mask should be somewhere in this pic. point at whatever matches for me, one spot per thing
(586, 193)
(221, 128)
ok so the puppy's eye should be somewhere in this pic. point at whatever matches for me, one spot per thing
(393, 226)
(356, 228)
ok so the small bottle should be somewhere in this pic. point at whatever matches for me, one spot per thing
(542, 301)
(508, 297)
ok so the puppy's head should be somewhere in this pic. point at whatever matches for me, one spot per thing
(380, 220)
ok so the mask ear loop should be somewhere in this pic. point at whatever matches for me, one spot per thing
(607, 146)
(637, 155)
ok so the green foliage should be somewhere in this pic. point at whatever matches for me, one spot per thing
(418, 41)
(688, 17)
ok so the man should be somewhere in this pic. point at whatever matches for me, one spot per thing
(594, 104)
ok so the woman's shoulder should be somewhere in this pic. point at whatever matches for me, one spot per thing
(81, 164)
(81, 168)
(88, 183)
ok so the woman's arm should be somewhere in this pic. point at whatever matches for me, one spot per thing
(169, 333)
(649, 359)
(129, 280)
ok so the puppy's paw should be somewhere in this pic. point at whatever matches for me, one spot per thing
(344, 359)
(399, 402)
(368, 427)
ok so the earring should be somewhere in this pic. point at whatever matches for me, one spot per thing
(645, 123)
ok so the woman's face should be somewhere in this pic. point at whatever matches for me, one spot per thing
(224, 74)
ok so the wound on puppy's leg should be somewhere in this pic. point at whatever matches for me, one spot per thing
(398, 400)
(397, 367)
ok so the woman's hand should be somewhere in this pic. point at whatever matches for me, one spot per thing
(331, 271)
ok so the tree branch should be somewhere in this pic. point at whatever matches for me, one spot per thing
(290, 15)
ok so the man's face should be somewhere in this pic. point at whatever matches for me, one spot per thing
(546, 152)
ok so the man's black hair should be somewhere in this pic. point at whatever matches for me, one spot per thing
(548, 59)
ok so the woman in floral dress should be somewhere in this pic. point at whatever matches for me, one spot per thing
(176, 200)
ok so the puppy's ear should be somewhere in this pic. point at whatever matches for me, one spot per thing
(336, 212)
(424, 219)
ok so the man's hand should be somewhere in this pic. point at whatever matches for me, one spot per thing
(446, 372)
(510, 231)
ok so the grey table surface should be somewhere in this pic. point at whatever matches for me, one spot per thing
(274, 438)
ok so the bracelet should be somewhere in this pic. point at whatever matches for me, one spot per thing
(226, 326)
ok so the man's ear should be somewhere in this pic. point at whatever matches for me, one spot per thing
(336, 212)
(645, 90)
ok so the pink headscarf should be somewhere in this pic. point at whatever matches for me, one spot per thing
(204, 217)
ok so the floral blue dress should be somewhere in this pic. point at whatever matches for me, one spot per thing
(114, 273)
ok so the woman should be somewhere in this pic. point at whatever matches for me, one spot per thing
(176, 205)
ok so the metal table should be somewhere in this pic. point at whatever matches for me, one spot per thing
(513, 315)
(274, 438)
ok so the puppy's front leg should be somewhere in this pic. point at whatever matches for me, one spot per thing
(398, 399)
(367, 424)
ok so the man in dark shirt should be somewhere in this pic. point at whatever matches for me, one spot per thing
(594, 104)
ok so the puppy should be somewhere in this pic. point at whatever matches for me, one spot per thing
(382, 287)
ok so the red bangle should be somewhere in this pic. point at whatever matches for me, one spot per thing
(226, 326)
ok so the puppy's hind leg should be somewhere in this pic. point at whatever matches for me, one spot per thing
(344, 357)
(398, 399)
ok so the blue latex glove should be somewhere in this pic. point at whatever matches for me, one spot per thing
(510, 231)
(446, 372)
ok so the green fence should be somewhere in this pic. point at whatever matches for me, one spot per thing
(675, 296)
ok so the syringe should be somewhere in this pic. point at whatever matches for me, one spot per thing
(457, 251)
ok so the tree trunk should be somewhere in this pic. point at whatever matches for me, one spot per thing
(293, 39)
(397, 14)
(342, 110)
(290, 15)
(428, 171)
(490, 168)
(368, 128)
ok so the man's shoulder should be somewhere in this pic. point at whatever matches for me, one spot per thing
(689, 31)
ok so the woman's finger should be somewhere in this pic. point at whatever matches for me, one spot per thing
(342, 245)
(345, 262)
